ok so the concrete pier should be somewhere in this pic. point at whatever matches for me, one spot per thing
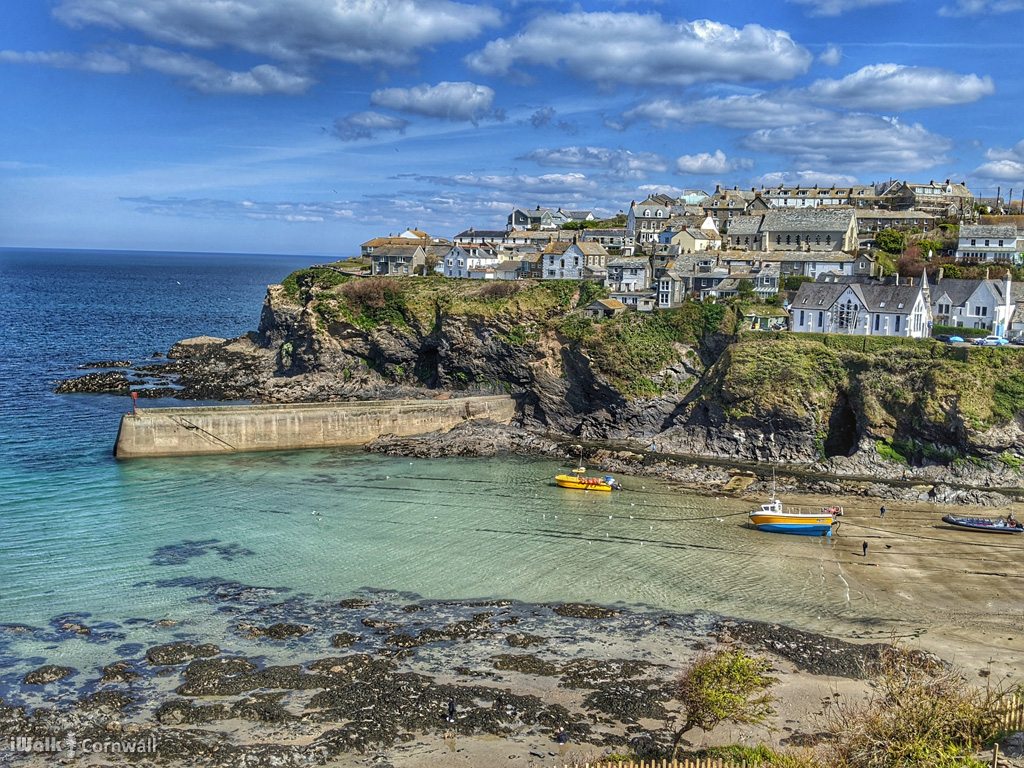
(235, 428)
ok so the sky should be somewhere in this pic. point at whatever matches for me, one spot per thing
(311, 126)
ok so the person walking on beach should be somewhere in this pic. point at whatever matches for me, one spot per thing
(864, 547)
(882, 513)
(451, 710)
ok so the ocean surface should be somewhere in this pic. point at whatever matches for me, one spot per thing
(121, 545)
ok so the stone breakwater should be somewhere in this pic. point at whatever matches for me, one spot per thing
(296, 682)
(227, 429)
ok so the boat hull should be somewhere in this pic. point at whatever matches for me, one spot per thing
(801, 525)
(979, 524)
(581, 484)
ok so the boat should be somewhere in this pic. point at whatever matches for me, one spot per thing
(578, 479)
(1007, 524)
(773, 518)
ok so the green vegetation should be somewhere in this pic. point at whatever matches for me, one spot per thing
(724, 685)
(919, 715)
(891, 240)
(590, 291)
(615, 223)
(299, 285)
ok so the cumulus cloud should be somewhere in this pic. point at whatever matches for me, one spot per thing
(896, 87)
(210, 208)
(643, 49)
(458, 102)
(618, 161)
(854, 143)
(737, 111)
(976, 7)
(804, 179)
(366, 125)
(831, 56)
(709, 164)
(189, 71)
(837, 7)
(1003, 164)
(356, 31)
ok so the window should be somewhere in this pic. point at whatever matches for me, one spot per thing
(848, 314)
(787, 239)
(817, 239)
(778, 239)
(828, 239)
(1000, 243)
(986, 242)
(878, 320)
(798, 239)
(881, 304)
(974, 242)
(898, 323)
(821, 319)
(801, 317)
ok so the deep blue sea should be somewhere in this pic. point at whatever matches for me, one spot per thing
(121, 545)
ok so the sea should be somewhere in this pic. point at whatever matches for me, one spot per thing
(127, 548)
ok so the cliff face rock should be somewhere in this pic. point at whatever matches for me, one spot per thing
(679, 379)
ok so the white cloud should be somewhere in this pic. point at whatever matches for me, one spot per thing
(354, 31)
(804, 179)
(366, 125)
(643, 49)
(519, 187)
(619, 161)
(737, 111)
(976, 7)
(831, 56)
(837, 7)
(190, 71)
(207, 208)
(896, 87)
(1003, 164)
(710, 164)
(458, 102)
(855, 143)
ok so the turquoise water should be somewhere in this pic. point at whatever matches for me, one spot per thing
(120, 545)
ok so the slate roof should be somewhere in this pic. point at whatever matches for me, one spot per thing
(991, 231)
(960, 290)
(629, 263)
(876, 297)
(486, 234)
(745, 225)
(807, 220)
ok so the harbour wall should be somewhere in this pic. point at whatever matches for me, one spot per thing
(235, 428)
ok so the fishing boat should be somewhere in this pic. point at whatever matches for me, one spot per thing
(986, 524)
(578, 479)
(773, 518)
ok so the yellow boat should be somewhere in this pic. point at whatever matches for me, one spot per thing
(580, 481)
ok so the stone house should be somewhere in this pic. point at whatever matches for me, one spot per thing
(574, 261)
(397, 259)
(726, 204)
(644, 223)
(942, 199)
(628, 274)
(602, 308)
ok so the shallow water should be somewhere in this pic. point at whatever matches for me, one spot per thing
(111, 541)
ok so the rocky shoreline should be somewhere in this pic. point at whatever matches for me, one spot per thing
(962, 485)
(376, 677)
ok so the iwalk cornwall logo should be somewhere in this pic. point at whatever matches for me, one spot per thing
(71, 746)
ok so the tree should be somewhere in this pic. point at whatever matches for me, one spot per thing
(745, 288)
(723, 685)
(890, 240)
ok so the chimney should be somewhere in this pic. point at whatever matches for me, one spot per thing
(986, 273)
(942, 271)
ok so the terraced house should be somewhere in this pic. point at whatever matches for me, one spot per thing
(990, 242)
(873, 308)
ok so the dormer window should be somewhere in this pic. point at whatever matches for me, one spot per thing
(900, 305)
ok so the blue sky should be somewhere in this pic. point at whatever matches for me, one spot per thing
(310, 126)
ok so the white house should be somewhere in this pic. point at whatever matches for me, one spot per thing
(630, 274)
(573, 261)
(988, 242)
(861, 309)
(467, 257)
(984, 304)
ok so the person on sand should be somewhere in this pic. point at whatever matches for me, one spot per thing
(562, 737)
(864, 547)
(451, 710)
(882, 512)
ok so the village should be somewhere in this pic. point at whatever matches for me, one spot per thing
(891, 259)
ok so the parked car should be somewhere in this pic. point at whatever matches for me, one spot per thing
(991, 341)
(947, 339)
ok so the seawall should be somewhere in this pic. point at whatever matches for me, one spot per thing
(235, 428)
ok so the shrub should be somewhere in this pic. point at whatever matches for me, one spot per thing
(375, 300)
(494, 290)
(919, 715)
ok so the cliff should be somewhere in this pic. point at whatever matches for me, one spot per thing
(680, 379)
